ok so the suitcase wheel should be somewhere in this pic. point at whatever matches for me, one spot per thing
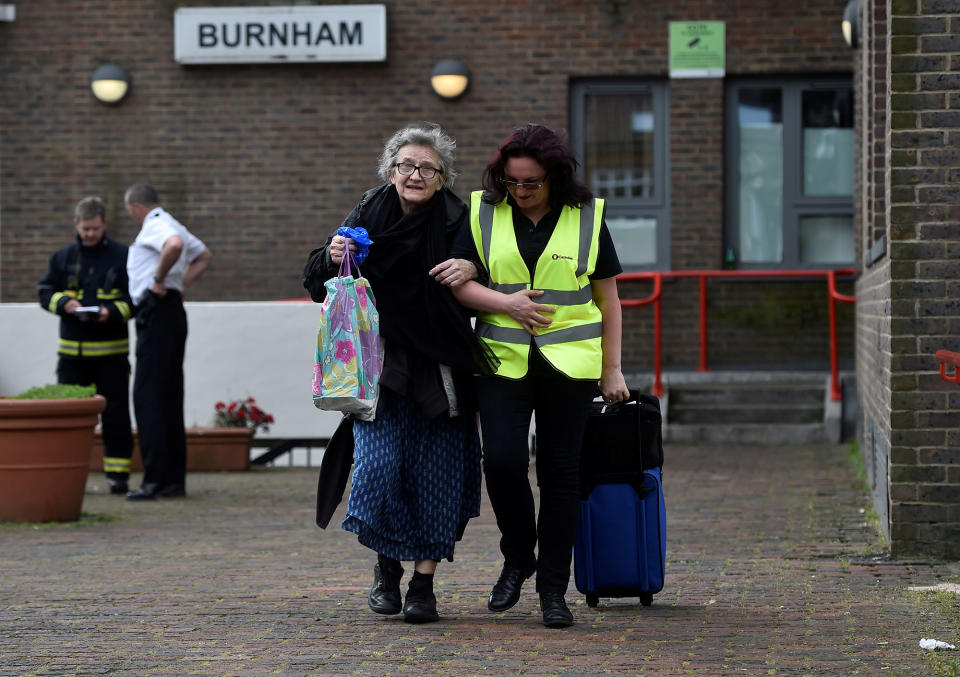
(592, 600)
(646, 598)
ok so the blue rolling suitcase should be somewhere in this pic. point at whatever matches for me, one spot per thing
(620, 547)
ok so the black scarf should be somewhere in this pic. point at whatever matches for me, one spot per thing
(418, 313)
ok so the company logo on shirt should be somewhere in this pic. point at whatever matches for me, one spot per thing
(561, 256)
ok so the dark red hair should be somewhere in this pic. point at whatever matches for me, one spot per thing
(550, 151)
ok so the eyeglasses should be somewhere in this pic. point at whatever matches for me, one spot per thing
(426, 172)
(532, 186)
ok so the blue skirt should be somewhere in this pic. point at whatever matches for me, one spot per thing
(415, 481)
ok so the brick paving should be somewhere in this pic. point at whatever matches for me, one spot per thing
(773, 569)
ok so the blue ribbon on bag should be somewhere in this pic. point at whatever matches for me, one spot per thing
(361, 238)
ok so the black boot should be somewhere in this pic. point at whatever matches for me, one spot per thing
(555, 611)
(506, 591)
(117, 482)
(421, 604)
(384, 597)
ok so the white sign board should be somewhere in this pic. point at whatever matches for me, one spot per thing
(295, 34)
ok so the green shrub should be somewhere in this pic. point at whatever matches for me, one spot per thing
(57, 391)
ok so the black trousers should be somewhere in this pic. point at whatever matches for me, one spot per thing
(158, 389)
(111, 376)
(560, 405)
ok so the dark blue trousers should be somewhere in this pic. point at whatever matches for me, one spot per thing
(158, 389)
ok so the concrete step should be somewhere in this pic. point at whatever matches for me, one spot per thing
(747, 434)
(769, 412)
(727, 408)
(746, 393)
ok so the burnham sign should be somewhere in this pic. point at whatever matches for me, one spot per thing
(296, 34)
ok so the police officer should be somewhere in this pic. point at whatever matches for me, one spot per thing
(164, 260)
(86, 285)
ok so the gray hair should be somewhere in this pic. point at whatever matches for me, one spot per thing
(142, 193)
(428, 135)
(90, 208)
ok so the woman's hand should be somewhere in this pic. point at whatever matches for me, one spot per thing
(613, 386)
(522, 308)
(454, 272)
(337, 246)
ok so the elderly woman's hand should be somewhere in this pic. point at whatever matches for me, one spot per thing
(336, 248)
(454, 272)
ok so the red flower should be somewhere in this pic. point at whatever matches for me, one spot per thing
(241, 414)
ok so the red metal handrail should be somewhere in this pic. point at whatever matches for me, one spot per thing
(702, 275)
(945, 357)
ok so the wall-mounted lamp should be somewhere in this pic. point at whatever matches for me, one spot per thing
(851, 25)
(450, 79)
(110, 83)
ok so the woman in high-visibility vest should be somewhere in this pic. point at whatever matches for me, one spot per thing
(551, 314)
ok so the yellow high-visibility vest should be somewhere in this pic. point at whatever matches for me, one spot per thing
(572, 341)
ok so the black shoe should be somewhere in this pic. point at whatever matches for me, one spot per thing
(172, 491)
(555, 611)
(420, 605)
(384, 597)
(117, 486)
(146, 492)
(506, 591)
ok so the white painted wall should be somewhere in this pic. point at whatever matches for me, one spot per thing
(234, 350)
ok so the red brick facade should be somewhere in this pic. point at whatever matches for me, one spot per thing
(908, 293)
(263, 161)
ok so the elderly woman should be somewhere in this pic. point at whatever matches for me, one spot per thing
(416, 477)
(551, 313)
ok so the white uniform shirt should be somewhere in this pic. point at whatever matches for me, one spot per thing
(144, 254)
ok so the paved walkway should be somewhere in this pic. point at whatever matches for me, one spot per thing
(773, 569)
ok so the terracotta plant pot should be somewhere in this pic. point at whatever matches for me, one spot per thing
(45, 457)
(207, 449)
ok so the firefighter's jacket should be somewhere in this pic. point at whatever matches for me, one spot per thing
(94, 276)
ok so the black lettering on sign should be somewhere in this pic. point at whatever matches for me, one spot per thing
(236, 35)
(324, 34)
(255, 32)
(278, 32)
(207, 35)
(346, 36)
(301, 34)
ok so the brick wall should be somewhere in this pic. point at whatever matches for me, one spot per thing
(263, 161)
(873, 287)
(910, 299)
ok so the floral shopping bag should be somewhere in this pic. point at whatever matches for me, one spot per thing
(346, 370)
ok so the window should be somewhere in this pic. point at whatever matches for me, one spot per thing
(789, 173)
(619, 133)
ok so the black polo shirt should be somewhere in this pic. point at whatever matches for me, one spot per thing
(532, 240)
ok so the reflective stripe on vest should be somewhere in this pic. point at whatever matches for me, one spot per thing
(93, 348)
(572, 342)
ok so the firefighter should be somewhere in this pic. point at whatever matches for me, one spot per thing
(86, 285)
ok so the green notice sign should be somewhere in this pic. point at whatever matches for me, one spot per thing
(697, 49)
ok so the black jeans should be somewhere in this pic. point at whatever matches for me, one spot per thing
(561, 406)
(158, 389)
(111, 375)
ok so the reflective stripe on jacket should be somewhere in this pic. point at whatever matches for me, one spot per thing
(92, 348)
(572, 341)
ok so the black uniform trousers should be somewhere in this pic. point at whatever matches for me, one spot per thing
(158, 389)
(111, 376)
(560, 405)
